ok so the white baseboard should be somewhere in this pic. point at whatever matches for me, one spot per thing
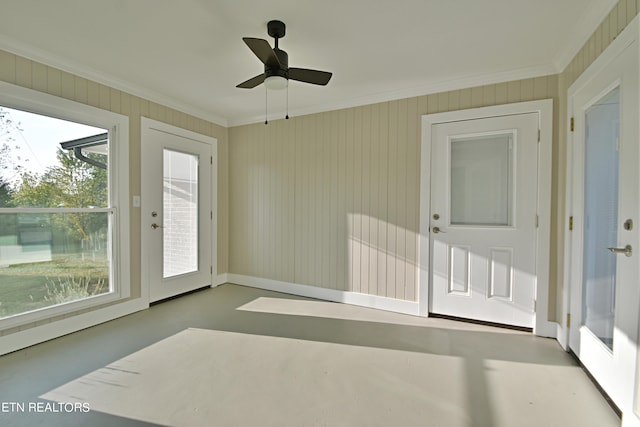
(562, 337)
(221, 279)
(630, 419)
(353, 298)
(16, 341)
(28, 337)
(545, 328)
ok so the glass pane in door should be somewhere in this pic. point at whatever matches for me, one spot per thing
(482, 180)
(601, 216)
(180, 221)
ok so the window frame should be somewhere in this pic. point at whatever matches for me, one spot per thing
(32, 101)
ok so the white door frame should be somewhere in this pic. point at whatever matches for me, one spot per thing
(544, 108)
(147, 124)
(630, 35)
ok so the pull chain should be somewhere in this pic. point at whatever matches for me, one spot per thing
(287, 114)
(266, 93)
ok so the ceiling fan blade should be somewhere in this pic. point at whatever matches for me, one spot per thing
(315, 77)
(252, 82)
(263, 51)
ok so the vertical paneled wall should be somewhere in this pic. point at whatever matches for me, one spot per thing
(262, 225)
(33, 75)
(332, 199)
(355, 229)
(611, 26)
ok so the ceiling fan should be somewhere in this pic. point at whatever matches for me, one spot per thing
(276, 63)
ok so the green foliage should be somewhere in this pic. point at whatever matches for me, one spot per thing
(9, 164)
(73, 183)
(5, 195)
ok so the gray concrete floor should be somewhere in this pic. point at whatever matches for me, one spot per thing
(236, 356)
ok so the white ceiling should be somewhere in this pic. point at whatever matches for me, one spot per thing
(189, 54)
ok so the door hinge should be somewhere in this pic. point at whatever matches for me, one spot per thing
(535, 306)
(211, 159)
(211, 269)
(538, 135)
(571, 124)
(571, 223)
(568, 320)
(537, 221)
(211, 212)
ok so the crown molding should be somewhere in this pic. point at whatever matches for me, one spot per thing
(590, 21)
(582, 32)
(46, 58)
(463, 82)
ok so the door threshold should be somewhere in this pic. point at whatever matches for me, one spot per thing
(481, 322)
(598, 386)
(205, 287)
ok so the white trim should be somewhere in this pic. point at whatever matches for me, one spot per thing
(56, 210)
(617, 46)
(37, 102)
(16, 341)
(544, 108)
(543, 326)
(459, 82)
(30, 100)
(595, 14)
(214, 211)
(455, 83)
(364, 300)
(593, 17)
(147, 124)
(630, 420)
(626, 399)
(561, 337)
(64, 64)
(425, 207)
(220, 279)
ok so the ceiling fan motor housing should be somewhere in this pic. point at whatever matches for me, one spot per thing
(283, 70)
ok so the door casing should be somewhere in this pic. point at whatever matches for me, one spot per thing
(544, 108)
(148, 125)
(595, 74)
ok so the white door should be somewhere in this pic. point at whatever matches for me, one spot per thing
(177, 210)
(604, 270)
(483, 218)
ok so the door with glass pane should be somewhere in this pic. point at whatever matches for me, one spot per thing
(483, 218)
(176, 211)
(604, 192)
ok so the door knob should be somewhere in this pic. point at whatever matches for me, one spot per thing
(627, 250)
(437, 230)
(154, 226)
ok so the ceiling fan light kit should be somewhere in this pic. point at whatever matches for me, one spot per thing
(276, 82)
(277, 73)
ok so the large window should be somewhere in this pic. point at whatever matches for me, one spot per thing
(59, 219)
